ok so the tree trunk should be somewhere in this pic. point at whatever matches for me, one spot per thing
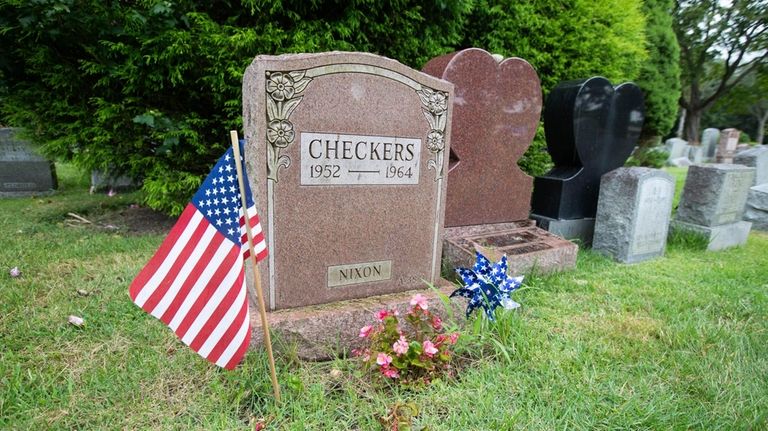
(692, 125)
(761, 128)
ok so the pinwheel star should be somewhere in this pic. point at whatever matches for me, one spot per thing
(488, 286)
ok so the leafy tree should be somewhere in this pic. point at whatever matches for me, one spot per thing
(745, 106)
(711, 30)
(563, 40)
(660, 75)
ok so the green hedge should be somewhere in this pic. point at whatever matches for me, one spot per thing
(150, 88)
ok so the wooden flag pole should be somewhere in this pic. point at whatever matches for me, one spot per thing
(256, 275)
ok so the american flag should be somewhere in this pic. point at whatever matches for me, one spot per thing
(195, 282)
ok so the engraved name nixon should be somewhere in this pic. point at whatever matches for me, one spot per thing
(342, 275)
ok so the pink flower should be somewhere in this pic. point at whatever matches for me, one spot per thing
(383, 359)
(420, 301)
(390, 372)
(111, 193)
(429, 348)
(365, 331)
(401, 346)
(437, 323)
(383, 314)
(454, 337)
(15, 272)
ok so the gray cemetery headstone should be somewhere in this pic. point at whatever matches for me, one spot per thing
(709, 139)
(757, 158)
(726, 147)
(102, 181)
(347, 154)
(677, 148)
(757, 206)
(695, 153)
(713, 202)
(633, 214)
(22, 171)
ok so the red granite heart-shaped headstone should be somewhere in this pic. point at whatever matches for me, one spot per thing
(496, 110)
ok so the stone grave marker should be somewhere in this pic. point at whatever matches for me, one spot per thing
(488, 198)
(757, 158)
(677, 148)
(591, 128)
(729, 139)
(713, 201)
(22, 171)
(105, 181)
(633, 214)
(347, 154)
(757, 206)
(709, 140)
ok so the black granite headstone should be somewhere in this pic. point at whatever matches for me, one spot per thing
(22, 171)
(591, 129)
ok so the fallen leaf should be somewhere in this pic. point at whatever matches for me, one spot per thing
(82, 292)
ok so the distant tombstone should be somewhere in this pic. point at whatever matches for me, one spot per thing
(677, 148)
(488, 197)
(757, 158)
(680, 162)
(709, 139)
(726, 147)
(591, 128)
(712, 203)
(347, 154)
(633, 214)
(757, 207)
(22, 171)
(104, 181)
(695, 153)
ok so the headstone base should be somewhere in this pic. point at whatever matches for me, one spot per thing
(757, 207)
(526, 246)
(322, 332)
(576, 229)
(718, 237)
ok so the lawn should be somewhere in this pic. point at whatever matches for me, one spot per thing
(680, 342)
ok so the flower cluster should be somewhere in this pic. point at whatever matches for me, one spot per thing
(412, 348)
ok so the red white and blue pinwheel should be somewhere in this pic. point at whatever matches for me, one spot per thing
(488, 286)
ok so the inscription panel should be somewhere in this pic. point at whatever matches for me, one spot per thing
(344, 275)
(653, 213)
(336, 159)
(730, 206)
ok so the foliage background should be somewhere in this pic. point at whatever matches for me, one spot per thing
(149, 88)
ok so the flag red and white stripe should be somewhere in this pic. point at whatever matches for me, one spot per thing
(195, 282)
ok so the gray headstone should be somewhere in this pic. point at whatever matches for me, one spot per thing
(696, 154)
(709, 140)
(679, 162)
(757, 207)
(676, 147)
(757, 158)
(22, 171)
(713, 202)
(101, 181)
(715, 194)
(633, 214)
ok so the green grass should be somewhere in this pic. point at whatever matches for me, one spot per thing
(680, 342)
(679, 173)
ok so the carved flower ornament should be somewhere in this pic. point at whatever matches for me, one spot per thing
(280, 133)
(280, 86)
(437, 102)
(435, 141)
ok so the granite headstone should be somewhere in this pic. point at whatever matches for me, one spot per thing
(347, 154)
(676, 147)
(591, 128)
(709, 139)
(757, 206)
(22, 171)
(497, 109)
(713, 201)
(757, 158)
(726, 147)
(633, 214)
